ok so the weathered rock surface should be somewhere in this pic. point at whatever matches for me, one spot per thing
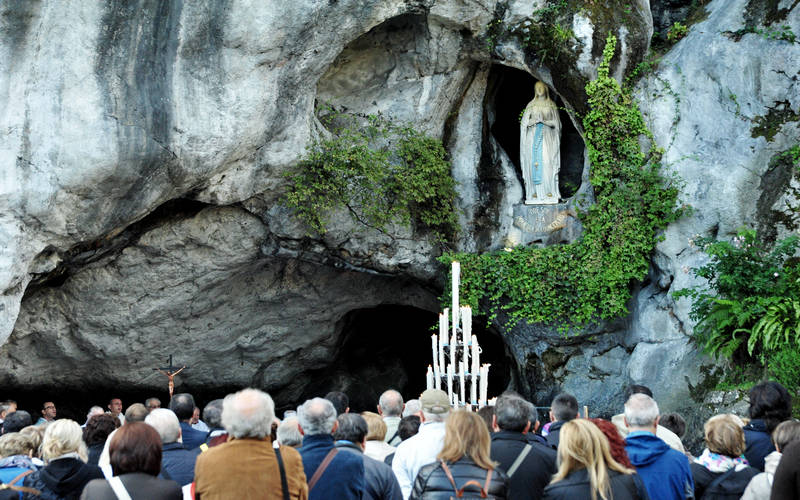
(112, 109)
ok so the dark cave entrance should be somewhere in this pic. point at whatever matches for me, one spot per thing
(389, 346)
(509, 90)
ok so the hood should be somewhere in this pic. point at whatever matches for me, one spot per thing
(644, 449)
(771, 462)
(65, 475)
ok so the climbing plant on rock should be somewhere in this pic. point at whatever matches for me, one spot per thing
(579, 283)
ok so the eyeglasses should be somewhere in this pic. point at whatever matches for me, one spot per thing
(49, 407)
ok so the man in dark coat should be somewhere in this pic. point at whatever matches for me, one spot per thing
(183, 406)
(177, 463)
(563, 409)
(529, 465)
(351, 437)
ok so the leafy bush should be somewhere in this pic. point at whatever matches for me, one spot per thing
(676, 32)
(784, 366)
(382, 173)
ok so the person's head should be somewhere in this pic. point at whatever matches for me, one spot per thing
(16, 443)
(724, 435)
(49, 411)
(770, 402)
(340, 401)
(435, 405)
(352, 427)
(563, 408)
(212, 414)
(487, 414)
(376, 427)
(115, 406)
(94, 410)
(673, 422)
(616, 443)
(288, 433)
(136, 413)
(390, 404)
(512, 414)
(637, 389)
(408, 426)
(248, 414)
(787, 432)
(641, 413)
(166, 424)
(152, 403)
(4, 410)
(98, 428)
(466, 435)
(135, 447)
(36, 435)
(183, 406)
(62, 437)
(16, 421)
(196, 415)
(11, 404)
(316, 416)
(413, 407)
(582, 445)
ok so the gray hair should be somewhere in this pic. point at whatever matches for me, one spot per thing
(413, 407)
(352, 427)
(165, 422)
(391, 403)
(435, 417)
(289, 433)
(62, 437)
(641, 410)
(316, 416)
(248, 414)
(513, 413)
(212, 413)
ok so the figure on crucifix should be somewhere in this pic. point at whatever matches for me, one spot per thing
(170, 372)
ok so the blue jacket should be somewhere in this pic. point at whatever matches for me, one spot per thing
(664, 471)
(192, 438)
(344, 477)
(380, 482)
(178, 462)
(758, 442)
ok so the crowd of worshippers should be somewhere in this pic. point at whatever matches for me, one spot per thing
(418, 449)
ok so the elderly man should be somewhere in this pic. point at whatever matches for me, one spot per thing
(422, 448)
(247, 466)
(332, 475)
(664, 471)
(152, 403)
(390, 407)
(177, 463)
(288, 433)
(662, 432)
(212, 414)
(183, 406)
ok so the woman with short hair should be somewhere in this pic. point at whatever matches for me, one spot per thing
(721, 471)
(587, 470)
(770, 404)
(97, 430)
(760, 486)
(376, 432)
(135, 455)
(463, 464)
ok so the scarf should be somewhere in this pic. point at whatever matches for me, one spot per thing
(720, 463)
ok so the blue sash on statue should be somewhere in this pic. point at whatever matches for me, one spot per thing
(536, 153)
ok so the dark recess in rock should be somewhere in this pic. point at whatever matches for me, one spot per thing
(774, 183)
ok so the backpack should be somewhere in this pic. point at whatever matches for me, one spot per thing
(483, 491)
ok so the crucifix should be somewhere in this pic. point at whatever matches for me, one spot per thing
(170, 371)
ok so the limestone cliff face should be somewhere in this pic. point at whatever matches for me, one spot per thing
(144, 145)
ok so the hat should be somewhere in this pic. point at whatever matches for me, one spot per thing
(434, 401)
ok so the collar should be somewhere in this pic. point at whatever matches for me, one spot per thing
(343, 443)
(509, 436)
(640, 433)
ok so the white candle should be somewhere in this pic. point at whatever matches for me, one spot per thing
(462, 386)
(456, 278)
(475, 370)
(429, 377)
(442, 342)
(450, 381)
(466, 323)
(435, 351)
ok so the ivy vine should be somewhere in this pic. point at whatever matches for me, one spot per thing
(576, 284)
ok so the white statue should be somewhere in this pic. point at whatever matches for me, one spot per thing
(539, 153)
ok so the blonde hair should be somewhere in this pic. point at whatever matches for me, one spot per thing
(582, 445)
(785, 433)
(36, 434)
(375, 425)
(16, 443)
(466, 434)
(724, 435)
(62, 437)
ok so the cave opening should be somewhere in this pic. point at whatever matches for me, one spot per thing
(389, 346)
(509, 90)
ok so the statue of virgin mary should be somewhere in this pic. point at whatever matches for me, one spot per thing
(539, 144)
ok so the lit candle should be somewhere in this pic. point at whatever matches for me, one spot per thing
(429, 377)
(456, 278)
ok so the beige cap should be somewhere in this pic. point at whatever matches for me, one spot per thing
(434, 401)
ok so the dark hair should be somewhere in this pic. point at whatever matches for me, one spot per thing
(98, 428)
(135, 447)
(564, 407)
(352, 427)
(486, 413)
(513, 413)
(182, 405)
(615, 441)
(637, 389)
(673, 422)
(770, 402)
(408, 426)
(16, 421)
(340, 401)
(212, 414)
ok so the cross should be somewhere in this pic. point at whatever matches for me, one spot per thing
(170, 372)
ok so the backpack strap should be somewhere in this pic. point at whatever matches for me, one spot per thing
(716, 482)
(395, 435)
(284, 483)
(324, 465)
(23, 474)
(484, 489)
(518, 461)
(118, 488)
(24, 489)
(446, 470)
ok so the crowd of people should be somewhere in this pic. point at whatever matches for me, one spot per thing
(417, 449)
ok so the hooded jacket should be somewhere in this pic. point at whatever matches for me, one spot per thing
(62, 478)
(759, 443)
(664, 471)
(760, 486)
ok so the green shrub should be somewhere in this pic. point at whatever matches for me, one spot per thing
(676, 32)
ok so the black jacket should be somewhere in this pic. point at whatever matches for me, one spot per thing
(63, 478)
(731, 487)
(553, 433)
(432, 482)
(139, 485)
(576, 487)
(380, 481)
(759, 443)
(535, 471)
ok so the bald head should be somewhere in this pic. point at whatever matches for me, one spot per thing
(390, 404)
(317, 416)
(641, 412)
(248, 414)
